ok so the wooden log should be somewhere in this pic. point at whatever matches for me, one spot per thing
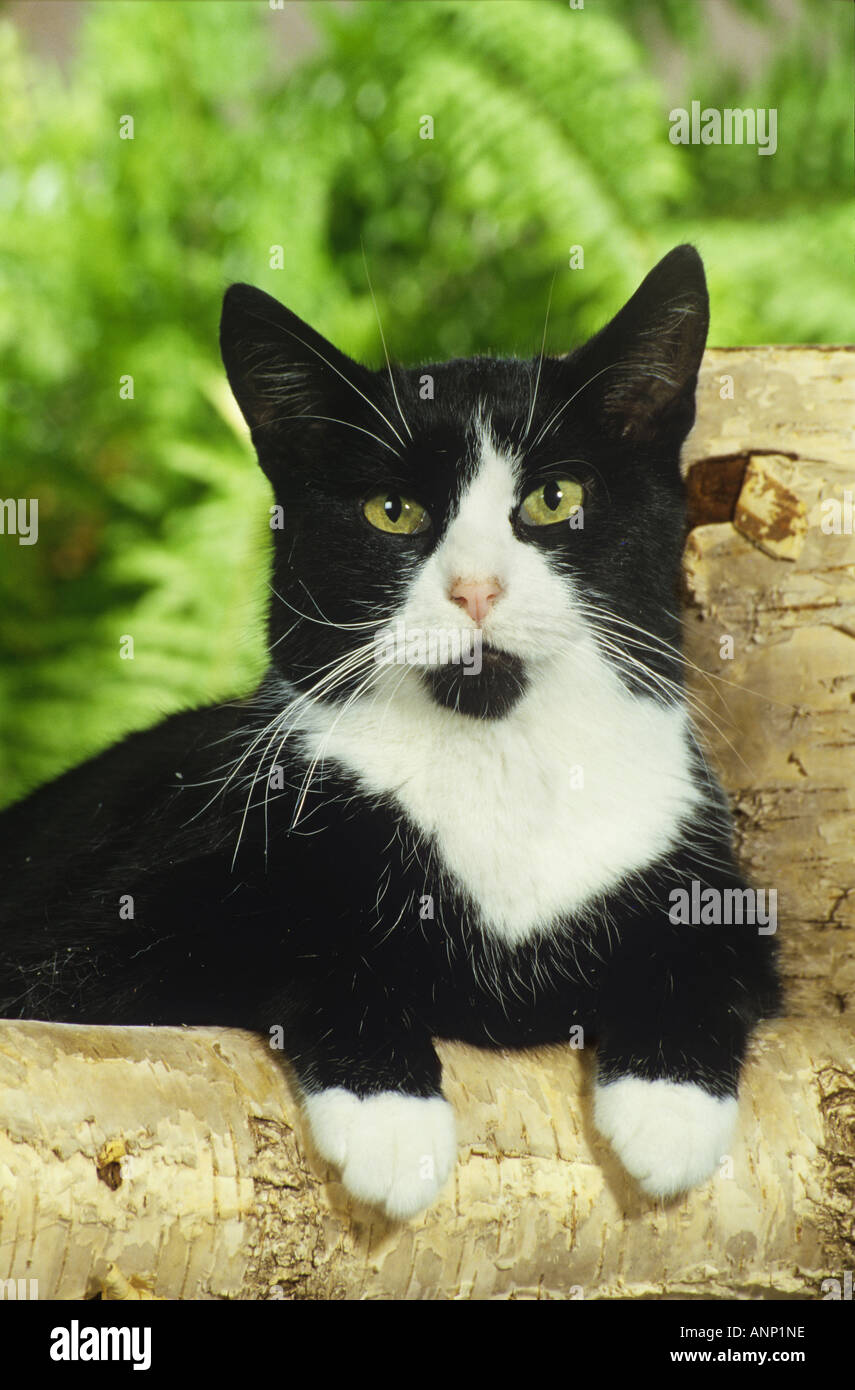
(769, 472)
(174, 1162)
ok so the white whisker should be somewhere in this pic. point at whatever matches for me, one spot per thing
(383, 341)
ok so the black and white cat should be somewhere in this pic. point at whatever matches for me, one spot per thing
(369, 853)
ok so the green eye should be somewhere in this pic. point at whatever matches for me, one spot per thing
(400, 516)
(554, 501)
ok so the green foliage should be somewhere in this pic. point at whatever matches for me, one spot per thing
(690, 23)
(550, 130)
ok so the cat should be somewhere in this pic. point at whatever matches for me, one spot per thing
(384, 846)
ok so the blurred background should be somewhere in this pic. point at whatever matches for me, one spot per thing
(268, 145)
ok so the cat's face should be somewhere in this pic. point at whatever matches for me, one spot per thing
(463, 524)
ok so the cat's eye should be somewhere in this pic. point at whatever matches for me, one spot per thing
(557, 500)
(400, 516)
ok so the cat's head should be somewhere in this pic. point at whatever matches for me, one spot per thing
(511, 508)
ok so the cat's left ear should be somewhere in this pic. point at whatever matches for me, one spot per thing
(280, 370)
(646, 359)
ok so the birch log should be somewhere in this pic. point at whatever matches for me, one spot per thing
(770, 472)
(173, 1163)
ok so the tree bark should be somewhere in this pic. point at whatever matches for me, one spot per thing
(762, 469)
(173, 1163)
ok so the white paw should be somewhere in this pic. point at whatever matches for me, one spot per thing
(668, 1135)
(394, 1151)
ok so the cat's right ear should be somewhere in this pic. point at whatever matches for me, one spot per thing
(280, 369)
(643, 366)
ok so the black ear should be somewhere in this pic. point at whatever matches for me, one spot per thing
(647, 357)
(278, 367)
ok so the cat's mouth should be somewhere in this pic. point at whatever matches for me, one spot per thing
(490, 692)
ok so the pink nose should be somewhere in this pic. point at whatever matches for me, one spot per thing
(477, 596)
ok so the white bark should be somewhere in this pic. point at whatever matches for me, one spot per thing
(178, 1157)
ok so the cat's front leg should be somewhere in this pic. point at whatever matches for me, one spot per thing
(370, 1093)
(676, 1015)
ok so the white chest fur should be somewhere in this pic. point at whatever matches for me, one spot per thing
(534, 814)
